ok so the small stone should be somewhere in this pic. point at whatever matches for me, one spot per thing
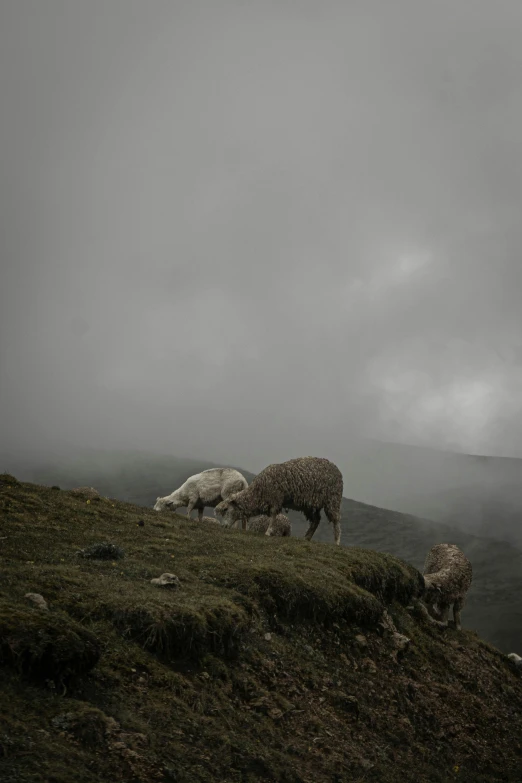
(37, 599)
(361, 640)
(166, 580)
(369, 665)
(400, 641)
(268, 637)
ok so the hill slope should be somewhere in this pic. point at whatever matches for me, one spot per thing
(480, 495)
(494, 606)
(267, 663)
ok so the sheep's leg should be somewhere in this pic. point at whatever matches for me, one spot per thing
(243, 523)
(444, 614)
(457, 607)
(271, 524)
(190, 508)
(334, 516)
(313, 525)
(200, 514)
(421, 608)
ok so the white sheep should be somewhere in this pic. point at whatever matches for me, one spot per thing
(207, 488)
(447, 579)
(516, 660)
(306, 484)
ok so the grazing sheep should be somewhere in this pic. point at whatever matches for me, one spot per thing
(280, 527)
(88, 492)
(516, 660)
(306, 484)
(447, 579)
(207, 488)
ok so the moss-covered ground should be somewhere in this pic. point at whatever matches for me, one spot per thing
(266, 663)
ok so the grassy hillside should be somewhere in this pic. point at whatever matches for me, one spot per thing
(494, 607)
(266, 663)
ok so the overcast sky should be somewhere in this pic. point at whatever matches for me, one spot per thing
(251, 230)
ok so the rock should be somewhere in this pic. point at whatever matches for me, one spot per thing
(37, 599)
(103, 551)
(386, 625)
(268, 637)
(400, 642)
(369, 665)
(361, 641)
(166, 580)
(516, 660)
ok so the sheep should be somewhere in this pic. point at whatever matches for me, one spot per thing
(89, 492)
(447, 579)
(280, 527)
(207, 488)
(213, 520)
(306, 484)
(516, 660)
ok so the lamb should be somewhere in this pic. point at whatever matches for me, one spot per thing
(306, 484)
(88, 492)
(447, 579)
(213, 520)
(207, 488)
(281, 527)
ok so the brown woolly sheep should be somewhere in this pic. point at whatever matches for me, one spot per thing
(447, 579)
(306, 484)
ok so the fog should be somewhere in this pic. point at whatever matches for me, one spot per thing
(250, 231)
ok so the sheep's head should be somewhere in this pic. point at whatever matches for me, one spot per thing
(162, 503)
(432, 590)
(230, 509)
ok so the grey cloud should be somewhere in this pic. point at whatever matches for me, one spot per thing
(247, 231)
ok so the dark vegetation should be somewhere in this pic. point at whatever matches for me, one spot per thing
(267, 663)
